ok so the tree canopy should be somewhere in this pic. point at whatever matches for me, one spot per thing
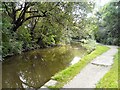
(108, 20)
(31, 25)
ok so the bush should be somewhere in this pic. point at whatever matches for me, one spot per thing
(10, 48)
(89, 44)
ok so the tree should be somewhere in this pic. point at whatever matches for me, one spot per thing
(21, 12)
(43, 24)
(109, 28)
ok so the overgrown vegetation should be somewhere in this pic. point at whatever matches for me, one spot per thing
(67, 74)
(111, 80)
(31, 25)
(108, 32)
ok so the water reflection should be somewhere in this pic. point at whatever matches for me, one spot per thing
(32, 69)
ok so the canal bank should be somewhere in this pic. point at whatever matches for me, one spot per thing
(33, 69)
(69, 73)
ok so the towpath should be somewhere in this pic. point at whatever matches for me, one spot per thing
(94, 71)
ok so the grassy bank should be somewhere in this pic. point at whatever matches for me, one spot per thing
(66, 75)
(110, 80)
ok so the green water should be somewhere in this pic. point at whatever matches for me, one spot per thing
(34, 68)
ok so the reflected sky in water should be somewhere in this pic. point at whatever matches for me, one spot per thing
(34, 68)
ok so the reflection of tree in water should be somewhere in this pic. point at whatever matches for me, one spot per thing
(34, 68)
(29, 71)
(12, 79)
(33, 73)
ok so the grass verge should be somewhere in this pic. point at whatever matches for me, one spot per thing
(110, 80)
(66, 75)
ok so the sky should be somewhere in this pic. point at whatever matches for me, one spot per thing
(99, 3)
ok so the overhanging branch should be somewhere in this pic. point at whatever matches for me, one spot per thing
(31, 11)
(34, 16)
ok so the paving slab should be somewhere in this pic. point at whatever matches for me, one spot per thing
(50, 83)
(46, 85)
(106, 58)
(43, 88)
(94, 71)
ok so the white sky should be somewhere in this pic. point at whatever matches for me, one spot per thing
(99, 4)
(102, 2)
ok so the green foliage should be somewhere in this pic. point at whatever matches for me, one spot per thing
(109, 25)
(9, 44)
(23, 35)
(44, 24)
(110, 80)
(89, 44)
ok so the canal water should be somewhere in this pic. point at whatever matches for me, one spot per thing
(34, 68)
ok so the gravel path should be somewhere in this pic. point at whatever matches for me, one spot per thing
(94, 71)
